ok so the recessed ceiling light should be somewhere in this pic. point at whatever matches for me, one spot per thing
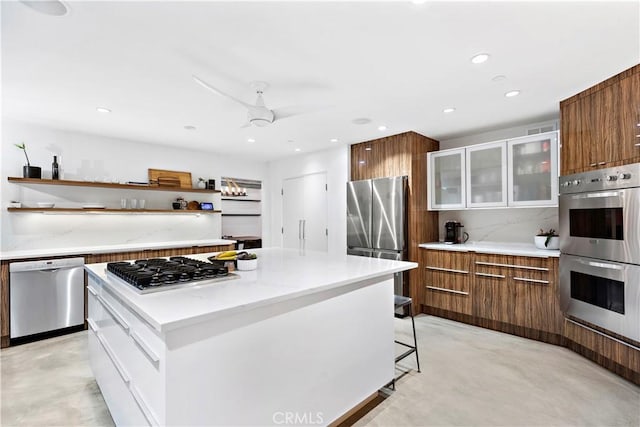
(334, 139)
(102, 110)
(189, 127)
(381, 128)
(499, 78)
(361, 162)
(448, 110)
(512, 93)
(251, 140)
(480, 58)
(47, 7)
(297, 150)
(367, 149)
(361, 121)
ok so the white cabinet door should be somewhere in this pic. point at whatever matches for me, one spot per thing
(533, 170)
(446, 179)
(304, 212)
(486, 175)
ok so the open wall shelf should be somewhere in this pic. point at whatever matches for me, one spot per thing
(64, 182)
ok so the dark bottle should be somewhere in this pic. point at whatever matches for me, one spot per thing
(55, 174)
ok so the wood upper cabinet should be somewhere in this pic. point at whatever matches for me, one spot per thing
(599, 127)
(447, 284)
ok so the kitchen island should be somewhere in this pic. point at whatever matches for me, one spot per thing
(301, 340)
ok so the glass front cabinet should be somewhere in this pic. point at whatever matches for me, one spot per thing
(516, 172)
(533, 170)
(486, 175)
(446, 179)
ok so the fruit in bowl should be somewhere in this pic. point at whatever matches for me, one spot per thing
(247, 261)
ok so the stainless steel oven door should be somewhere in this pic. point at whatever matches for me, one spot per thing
(601, 224)
(604, 293)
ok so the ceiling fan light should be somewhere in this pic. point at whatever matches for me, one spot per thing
(260, 122)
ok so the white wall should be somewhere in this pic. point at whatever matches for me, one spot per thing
(502, 225)
(91, 157)
(335, 163)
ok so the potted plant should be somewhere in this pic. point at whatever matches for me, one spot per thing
(547, 239)
(29, 171)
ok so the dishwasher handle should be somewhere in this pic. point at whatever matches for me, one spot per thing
(46, 265)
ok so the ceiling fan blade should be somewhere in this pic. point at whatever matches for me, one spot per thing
(218, 91)
(295, 110)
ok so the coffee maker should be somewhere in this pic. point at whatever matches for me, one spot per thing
(453, 233)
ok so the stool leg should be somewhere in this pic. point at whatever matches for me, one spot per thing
(415, 339)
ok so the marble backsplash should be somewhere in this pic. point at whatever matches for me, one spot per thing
(502, 225)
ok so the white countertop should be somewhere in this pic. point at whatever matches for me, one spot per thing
(282, 274)
(81, 250)
(503, 248)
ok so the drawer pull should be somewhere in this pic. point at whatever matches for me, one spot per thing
(115, 314)
(497, 276)
(92, 291)
(450, 270)
(123, 374)
(435, 288)
(92, 324)
(524, 267)
(524, 279)
(142, 405)
(145, 347)
(593, 164)
(602, 163)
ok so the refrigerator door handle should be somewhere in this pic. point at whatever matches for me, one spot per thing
(304, 229)
(299, 229)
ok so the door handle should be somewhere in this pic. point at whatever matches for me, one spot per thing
(304, 229)
(299, 229)
(598, 195)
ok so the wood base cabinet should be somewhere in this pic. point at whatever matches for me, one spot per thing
(517, 295)
(607, 351)
(513, 294)
(446, 281)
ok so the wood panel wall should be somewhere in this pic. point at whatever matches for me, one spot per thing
(5, 316)
(403, 154)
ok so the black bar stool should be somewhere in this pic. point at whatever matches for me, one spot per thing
(400, 301)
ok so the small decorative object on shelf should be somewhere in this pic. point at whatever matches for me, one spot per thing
(212, 184)
(29, 171)
(55, 172)
(547, 239)
(202, 183)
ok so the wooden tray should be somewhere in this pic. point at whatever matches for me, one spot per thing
(166, 178)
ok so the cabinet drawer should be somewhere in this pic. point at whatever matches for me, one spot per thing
(446, 299)
(508, 261)
(455, 262)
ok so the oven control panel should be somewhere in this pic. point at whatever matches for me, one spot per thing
(626, 176)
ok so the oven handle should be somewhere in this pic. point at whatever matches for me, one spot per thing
(598, 195)
(600, 264)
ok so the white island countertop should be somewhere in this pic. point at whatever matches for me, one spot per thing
(105, 249)
(282, 274)
(502, 248)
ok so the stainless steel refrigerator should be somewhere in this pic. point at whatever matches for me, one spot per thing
(377, 220)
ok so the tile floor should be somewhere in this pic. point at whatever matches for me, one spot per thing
(470, 377)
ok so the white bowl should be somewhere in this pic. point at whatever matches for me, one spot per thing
(554, 243)
(247, 264)
(45, 205)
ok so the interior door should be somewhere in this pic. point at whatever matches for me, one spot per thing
(314, 222)
(304, 212)
(292, 212)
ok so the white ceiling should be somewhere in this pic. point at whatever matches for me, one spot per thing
(397, 63)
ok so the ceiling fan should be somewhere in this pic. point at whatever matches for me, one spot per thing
(258, 114)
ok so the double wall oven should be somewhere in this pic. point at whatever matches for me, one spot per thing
(600, 245)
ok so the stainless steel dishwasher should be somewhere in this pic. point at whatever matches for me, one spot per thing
(46, 295)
